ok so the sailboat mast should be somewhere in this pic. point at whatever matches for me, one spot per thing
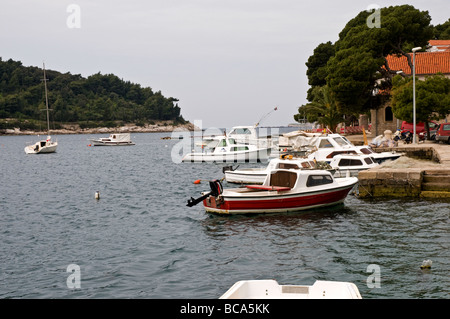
(46, 100)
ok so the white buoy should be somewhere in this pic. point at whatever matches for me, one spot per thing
(426, 264)
(97, 195)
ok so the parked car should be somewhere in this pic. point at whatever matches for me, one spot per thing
(433, 132)
(443, 134)
(420, 127)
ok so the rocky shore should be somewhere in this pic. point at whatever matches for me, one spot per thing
(162, 126)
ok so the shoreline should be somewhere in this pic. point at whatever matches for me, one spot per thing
(75, 129)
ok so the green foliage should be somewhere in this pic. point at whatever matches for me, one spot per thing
(442, 31)
(355, 66)
(360, 59)
(322, 109)
(98, 98)
(432, 98)
(317, 66)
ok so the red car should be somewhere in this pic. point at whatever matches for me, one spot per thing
(443, 133)
(420, 127)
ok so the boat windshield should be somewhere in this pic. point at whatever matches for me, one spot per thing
(341, 141)
(240, 131)
(325, 143)
(347, 141)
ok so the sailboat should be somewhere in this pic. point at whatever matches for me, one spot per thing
(47, 145)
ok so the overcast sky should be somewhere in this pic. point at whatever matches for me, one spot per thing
(229, 62)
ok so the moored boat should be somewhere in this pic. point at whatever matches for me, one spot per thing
(323, 147)
(270, 289)
(258, 175)
(225, 149)
(47, 145)
(116, 139)
(282, 191)
(351, 164)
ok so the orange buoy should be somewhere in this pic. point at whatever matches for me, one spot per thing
(197, 181)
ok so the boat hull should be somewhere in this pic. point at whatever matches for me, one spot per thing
(237, 157)
(276, 202)
(42, 150)
(98, 143)
(246, 176)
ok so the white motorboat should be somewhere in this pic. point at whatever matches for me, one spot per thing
(225, 149)
(258, 175)
(270, 289)
(282, 191)
(47, 145)
(351, 164)
(325, 146)
(41, 147)
(116, 139)
(249, 135)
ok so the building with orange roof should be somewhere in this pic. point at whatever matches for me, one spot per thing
(436, 59)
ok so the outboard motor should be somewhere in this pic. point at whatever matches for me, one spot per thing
(229, 168)
(216, 190)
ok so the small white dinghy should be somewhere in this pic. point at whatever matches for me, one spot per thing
(270, 289)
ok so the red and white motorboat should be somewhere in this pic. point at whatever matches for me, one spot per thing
(282, 191)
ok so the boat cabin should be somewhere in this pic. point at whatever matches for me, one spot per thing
(283, 180)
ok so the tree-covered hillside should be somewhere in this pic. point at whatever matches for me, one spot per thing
(72, 98)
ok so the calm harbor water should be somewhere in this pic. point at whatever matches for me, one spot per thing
(141, 241)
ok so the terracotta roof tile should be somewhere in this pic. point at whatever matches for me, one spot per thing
(426, 63)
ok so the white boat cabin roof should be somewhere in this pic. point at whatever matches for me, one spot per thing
(242, 130)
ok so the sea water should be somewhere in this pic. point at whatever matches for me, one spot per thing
(140, 240)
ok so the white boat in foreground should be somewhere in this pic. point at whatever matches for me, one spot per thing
(225, 149)
(116, 139)
(270, 289)
(47, 145)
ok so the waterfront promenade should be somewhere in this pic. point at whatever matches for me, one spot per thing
(424, 171)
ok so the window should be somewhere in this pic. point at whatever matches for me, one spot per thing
(446, 127)
(366, 151)
(388, 116)
(288, 166)
(333, 154)
(349, 162)
(340, 141)
(222, 143)
(368, 160)
(316, 180)
(325, 143)
(283, 179)
(232, 141)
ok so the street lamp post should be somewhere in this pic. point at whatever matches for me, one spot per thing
(414, 92)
